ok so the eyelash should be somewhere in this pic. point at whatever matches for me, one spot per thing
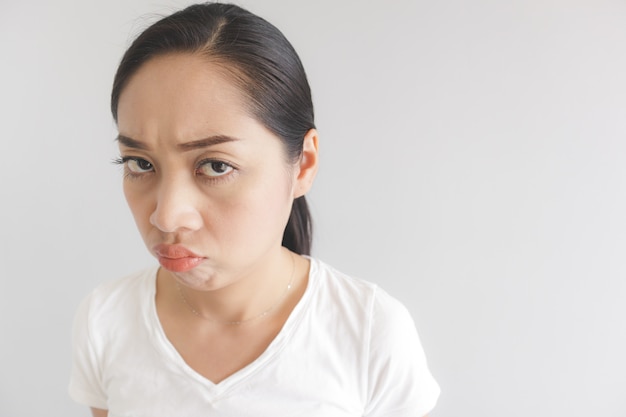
(135, 175)
(124, 160)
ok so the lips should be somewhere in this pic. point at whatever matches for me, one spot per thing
(177, 258)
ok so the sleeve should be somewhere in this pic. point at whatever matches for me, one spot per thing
(399, 381)
(86, 377)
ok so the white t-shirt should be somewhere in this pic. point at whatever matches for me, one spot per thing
(347, 349)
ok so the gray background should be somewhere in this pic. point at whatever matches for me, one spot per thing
(472, 164)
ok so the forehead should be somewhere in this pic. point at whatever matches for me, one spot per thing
(180, 93)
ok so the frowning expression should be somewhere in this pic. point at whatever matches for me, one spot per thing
(200, 173)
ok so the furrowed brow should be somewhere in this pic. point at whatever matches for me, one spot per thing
(206, 142)
(131, 143)
(187, 146)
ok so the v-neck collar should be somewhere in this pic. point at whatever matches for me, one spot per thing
(216, 390)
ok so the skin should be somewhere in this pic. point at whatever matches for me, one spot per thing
(231, 210)
(236, 218)
(227, 201)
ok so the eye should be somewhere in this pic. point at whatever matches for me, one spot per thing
(212, 168)
(138, 165)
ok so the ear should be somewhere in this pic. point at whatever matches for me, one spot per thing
(306, 168)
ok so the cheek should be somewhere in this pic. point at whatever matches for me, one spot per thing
(139, 205)
(260, 209)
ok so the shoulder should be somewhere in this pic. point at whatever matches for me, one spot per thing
(109, 293)
(338, 291)
(335, 280)
(353, 290)
(116, 298)
(102, 324)
(397, 378)
(363, 303)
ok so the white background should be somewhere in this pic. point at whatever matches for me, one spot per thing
(473, 164)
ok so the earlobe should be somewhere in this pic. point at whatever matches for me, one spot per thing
(308, 164)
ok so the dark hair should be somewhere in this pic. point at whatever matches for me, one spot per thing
(262, 63)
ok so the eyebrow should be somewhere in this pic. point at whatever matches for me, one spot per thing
(187, 146)
(130, 142)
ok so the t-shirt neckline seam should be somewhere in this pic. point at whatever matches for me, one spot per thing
(165, 348)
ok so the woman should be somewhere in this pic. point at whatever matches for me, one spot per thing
(219, 147)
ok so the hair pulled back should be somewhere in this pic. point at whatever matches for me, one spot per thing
(261, 62)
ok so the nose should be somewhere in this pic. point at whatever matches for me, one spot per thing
(176, 207)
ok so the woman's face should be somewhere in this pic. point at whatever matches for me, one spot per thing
(210, 188)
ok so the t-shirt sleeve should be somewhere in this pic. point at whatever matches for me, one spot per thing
(399, 381)
(86, 378)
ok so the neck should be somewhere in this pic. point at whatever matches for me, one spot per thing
(246, 297)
